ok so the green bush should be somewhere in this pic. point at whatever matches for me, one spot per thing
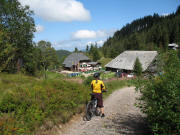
(88, 80)
(107, 75)
(161, 98)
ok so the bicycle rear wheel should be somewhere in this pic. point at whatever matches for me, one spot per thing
(97, 112)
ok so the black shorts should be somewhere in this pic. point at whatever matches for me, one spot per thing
(99, 98)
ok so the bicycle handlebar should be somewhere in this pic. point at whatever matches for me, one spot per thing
(102, 92)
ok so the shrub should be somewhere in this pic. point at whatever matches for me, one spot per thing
(25, 108)
(161, 96)
(88, 80)
(107, 75)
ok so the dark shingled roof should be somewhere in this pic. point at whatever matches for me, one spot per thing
(74, 58)
(127, 59)
(93, 63)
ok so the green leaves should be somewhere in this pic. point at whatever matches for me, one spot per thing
(94, 52)
(48, 57)
(16, 33)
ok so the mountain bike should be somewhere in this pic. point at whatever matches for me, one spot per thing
(91, 108)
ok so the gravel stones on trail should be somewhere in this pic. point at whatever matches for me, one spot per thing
(122, 117)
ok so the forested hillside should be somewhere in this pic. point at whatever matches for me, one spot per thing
(147, 33)
(62, 54)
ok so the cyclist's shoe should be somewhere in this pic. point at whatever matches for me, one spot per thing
(102, 116)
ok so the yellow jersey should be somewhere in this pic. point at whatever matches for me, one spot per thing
(97, 86)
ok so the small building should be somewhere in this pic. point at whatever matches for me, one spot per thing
(95, 65)
(125, 61)
(89, 66)
(173, 46)
(74, 60)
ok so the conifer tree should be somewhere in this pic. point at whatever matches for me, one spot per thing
(178, 10)
(164, 39)
(137, 67)
(96, 55)
(75, 50)
(87, 49)
(179, 53)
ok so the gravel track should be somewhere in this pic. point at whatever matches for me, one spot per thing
(122, 117)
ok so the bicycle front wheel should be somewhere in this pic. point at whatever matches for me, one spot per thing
(89, 111)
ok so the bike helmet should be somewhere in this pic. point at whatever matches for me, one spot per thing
(96, 75)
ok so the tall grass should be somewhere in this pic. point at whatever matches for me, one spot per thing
(27, 102)
(9, 82)
(107, 75)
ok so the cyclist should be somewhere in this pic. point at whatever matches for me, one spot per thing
(97, 88)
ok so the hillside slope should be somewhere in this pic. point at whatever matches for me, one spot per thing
(147, 33)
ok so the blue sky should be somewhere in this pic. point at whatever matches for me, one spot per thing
(70, 23)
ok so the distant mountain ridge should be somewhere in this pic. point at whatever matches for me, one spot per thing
(62, 53)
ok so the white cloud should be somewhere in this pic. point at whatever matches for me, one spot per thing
(82, 38)
(99, 43)
(165, 14)
(82, 34)
(90, 42)
(39, 28)
(68, 45)
(85, 34)
(58, 10)
(71, 44)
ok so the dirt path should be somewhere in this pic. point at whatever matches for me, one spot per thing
(122, 117)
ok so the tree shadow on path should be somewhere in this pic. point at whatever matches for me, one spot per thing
(130, 125)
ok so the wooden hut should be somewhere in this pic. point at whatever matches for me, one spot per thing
(73, 61)
(125, 61)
